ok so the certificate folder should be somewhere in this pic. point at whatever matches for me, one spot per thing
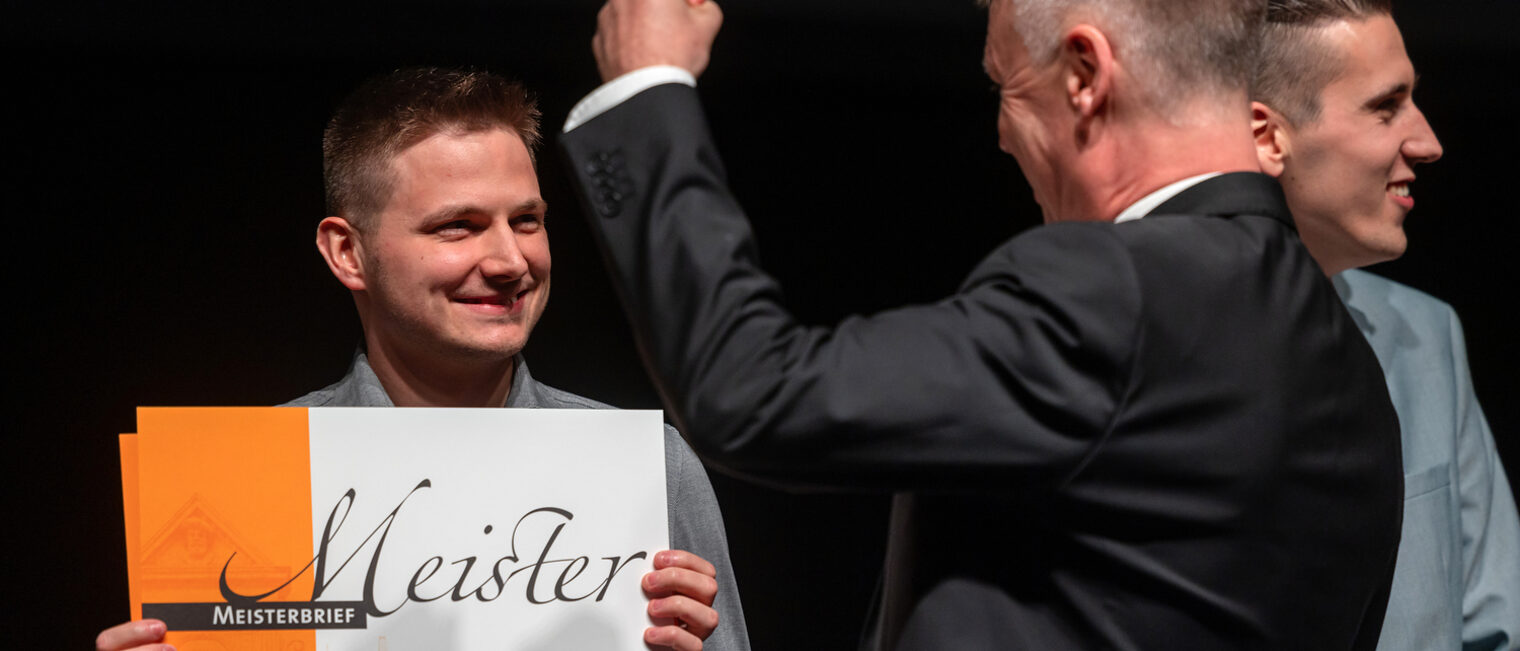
(365, 528)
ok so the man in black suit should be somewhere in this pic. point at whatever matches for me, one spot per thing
(1163, 433)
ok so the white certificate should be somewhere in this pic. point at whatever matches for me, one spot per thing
(392, 528)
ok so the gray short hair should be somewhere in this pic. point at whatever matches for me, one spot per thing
(1296, 64)
(1178, 48)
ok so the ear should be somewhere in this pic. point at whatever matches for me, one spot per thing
(338, 242)
(1269, 130)
(1088, 59)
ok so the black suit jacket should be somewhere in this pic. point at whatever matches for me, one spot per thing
(1163, 434)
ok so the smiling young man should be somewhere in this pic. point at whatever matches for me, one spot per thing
(1336, 122)
(438, 231)
(452, 273)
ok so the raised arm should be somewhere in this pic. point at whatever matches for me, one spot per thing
(1021, 371)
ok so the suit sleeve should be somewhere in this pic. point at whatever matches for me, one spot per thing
(1490, 527)
(1010, 382)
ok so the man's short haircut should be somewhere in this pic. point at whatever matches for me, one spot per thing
(1296, 64)
(1178, 49)
(387, 114)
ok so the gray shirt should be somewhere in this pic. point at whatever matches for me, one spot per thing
(696, 524)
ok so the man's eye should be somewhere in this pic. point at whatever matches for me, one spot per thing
(455, 226)
(528, 222)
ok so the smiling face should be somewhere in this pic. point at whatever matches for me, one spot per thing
(1347, 174)
(457, 263)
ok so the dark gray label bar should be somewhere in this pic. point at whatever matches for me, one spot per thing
(260, 616)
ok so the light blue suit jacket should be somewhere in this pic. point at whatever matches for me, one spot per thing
(1457, 582)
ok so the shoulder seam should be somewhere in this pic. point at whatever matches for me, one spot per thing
(577, 400)
(680, 470)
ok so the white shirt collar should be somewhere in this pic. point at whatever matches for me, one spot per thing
(1150, 201)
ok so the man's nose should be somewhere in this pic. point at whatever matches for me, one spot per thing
(1421, 146)
(502, 258)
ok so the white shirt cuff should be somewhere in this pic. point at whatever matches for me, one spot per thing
(619, 90)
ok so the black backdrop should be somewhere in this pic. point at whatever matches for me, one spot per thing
(167, 167)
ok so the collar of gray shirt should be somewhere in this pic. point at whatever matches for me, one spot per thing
(362, 388)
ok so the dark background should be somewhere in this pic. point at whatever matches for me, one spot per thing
(168, 172)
